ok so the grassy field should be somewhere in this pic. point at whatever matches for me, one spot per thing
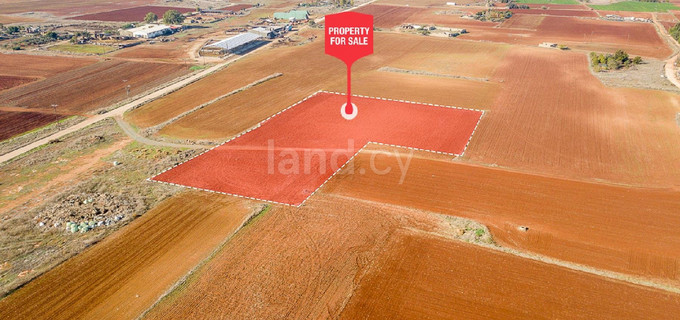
(82, 48)
(548, 1)
(637, 6)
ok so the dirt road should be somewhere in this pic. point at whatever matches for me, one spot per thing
(118, 112)
(670, 62)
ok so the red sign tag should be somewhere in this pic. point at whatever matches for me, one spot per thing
(349, 37)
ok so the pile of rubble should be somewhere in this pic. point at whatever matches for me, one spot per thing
(86, 211)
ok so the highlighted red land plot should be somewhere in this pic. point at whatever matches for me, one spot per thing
(290, 155)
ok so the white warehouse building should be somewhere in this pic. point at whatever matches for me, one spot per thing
(235, 41)
(148, 31)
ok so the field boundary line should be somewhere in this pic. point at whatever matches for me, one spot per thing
(158, 127)
(259, 124)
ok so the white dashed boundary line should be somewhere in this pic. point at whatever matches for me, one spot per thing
(259, 124)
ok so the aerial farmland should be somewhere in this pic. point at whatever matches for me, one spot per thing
(421, 160)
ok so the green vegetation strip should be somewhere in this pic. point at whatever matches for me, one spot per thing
(637, 6)
(547, 1)
(82, 48)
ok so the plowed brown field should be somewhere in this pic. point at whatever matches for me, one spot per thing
(557, 12)
(7, 82)
(124, 274)
(341, 252)
(67, 7)
(627, 230)
(240, 111)
(426, 277)
(13, 123)
(92, 87)
(27, 65)
(293, 263)
(573, 126)
(385, 16)
(130, 14)
(523, 21)
(593, 35)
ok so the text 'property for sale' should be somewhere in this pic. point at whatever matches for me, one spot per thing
(353, 36)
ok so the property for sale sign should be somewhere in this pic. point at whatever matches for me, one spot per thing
(349, 37)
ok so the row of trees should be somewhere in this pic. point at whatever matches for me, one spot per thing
(169, 17)
(618, 60)
(493, 15)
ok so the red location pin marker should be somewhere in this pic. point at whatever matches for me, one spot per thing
(349, 37)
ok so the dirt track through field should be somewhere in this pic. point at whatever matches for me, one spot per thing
(124, 274)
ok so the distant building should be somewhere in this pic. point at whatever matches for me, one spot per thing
(233, 42)
(296, 15)
(270, 32)
(147, 31)
(548, 45)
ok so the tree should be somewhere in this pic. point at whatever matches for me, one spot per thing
(150, 17)
(12, 29)
(612, 64)
(620, 56)
(173, 17)
(52, 35)
(637, 60)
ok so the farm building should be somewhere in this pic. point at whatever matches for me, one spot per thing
(232, 42)
(147, 31)
(296, 15)
(271, 32)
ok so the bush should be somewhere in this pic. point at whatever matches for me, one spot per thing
(620, 59)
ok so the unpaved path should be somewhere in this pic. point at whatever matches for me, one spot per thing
(134, 135)
(670, 62)
(122, 109)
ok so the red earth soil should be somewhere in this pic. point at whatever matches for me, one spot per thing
(39, 66)
(13, 123)
(523, 21)
(617, 228)
(289, 156)
(92, 87)
(121, 276)
(67, 7)
(554, 117)
(552, 12)
(7, 82)
(596, 35)
(389, 16)
(429, 277)
(130, 14)
(237, 7)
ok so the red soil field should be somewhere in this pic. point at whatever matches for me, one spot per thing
(523, 21)
(293, 263)
(130, 14)
(321, 259)
(618, 228)
(237, 7)
(553, 12)
(593, 35)
(7, 82)
(14, 123)
(290, 155)
(129, 270)
(388, 16)
(92, 87)
(311, 70)
(434, 16)
(37, 66)
(67, 7)
(573, 126)
(428, 277)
